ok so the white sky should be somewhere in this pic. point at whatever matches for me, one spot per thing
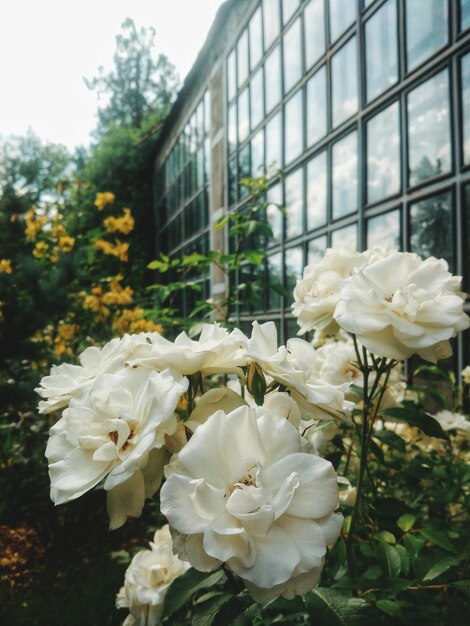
(48, 46)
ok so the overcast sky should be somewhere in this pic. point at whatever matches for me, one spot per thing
(48, 46)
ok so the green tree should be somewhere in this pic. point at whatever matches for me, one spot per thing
(140, 88)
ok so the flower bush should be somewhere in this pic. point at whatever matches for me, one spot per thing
(279, 462)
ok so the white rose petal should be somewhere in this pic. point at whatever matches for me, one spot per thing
(256, 502)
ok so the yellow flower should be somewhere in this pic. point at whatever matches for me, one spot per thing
(119, 249)
(103, 199)
(5, 266)
(33, 224)
(124, 224)
(132, 321)
(117, 294)
(41, 249)
(58, 230)
(68, 332)
(66, 243)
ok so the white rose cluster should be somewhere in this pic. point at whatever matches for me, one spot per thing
(147, 580)
(395, 303)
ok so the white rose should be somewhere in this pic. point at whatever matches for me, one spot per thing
(109, 432)
(295, 367)
(219, 399)
(147, 579)
(401, 305)
(453, 421)
(466, 375)
(317, 293)
(242, 492)
(216, 351)
(66, 381)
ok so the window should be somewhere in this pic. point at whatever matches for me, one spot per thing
(274, 279)
(292, 56)
(273, 143)
(272, 21)
(232, 127)
(383, 154)
(316, 107)
(273, 212)
(273, 79)
(288, 9)
(293, 127)
(431, 227)
(346, 237)
(232, 75)
(294, 267)
(383, 231)
(345, 81)
(257, 153)
(257, 98)
(316, 250)
(294, 203)
(464, 14)
(316, 191)
(242, 56)
(381, 50)
(426, 29)
(466, 107)
(342, 15)
(256, 39)
(314, 26)
(429, 129)
(243, 116)
(345, 176)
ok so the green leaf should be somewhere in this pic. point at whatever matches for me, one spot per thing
(423, 421)
(183, 587)
(386, 536)
(463, 585)
(405, 559)
(437, 537)
(254, 257)
(406, 522)
(329, 607)
(391, 439)
(206, 612)
(390, 607)
(413, 545)
(389, 560)
(376, 451)
(440, 567)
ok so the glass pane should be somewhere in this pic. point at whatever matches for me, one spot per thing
(346, 237)
(242, 56)
(464, 14)
(292, 56)
(316, 191)
(274, 213)
(344, 79)
(257, 99)
(294, 267)
(429, 129)
(257, 154)
(314, 24)
(466, 107)
(294, 203)
(232, 181)
(293, 126)
(316, 250)
(273, 143)
(316, 107)
(207, 112)
(232, 126)
(466, 240)
(345, 176)
(274, 278)
(383, 154)
(244, 167)
(243, 115)
(342, 15)
(288, 9)
(273, 79)
(381, 49)
(272, 21)
(256, 40)
(231, 75)
(426, 29)
(383, 231)
(431, 228)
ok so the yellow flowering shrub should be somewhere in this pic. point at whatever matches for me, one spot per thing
(124, 224)
(118, 249)
(133, 321)
(103, 199)
(33, 224)
(5, 266)
(66, 243)
(117, 294)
